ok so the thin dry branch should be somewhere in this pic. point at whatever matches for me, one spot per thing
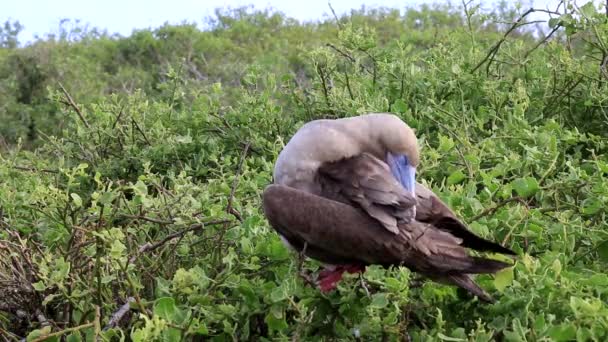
(344, 54)
(141, 132)
(235, 183)
(152, 246)
(119, 314)
(32, 169)
(494, 50)
(71, 103)
(331, 8)
(146, 218)
(493, 209)
(603, 65)
(544, 40)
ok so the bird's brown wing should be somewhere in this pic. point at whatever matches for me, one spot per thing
(367, 182)
(339, 233)
(430, 209)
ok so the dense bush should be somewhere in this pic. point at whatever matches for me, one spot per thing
(132, 170)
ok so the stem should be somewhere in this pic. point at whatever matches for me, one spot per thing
(63, 332)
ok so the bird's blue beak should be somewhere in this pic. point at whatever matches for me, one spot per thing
(403, 171)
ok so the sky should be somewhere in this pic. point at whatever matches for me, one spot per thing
(122, 16)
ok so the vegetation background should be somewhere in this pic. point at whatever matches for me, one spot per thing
(132, 167)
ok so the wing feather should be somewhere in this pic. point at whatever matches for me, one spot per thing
(367, 182)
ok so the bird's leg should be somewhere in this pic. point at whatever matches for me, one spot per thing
(328, 279)
(301, 257)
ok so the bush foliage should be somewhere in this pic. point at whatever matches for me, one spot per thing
(132, 169)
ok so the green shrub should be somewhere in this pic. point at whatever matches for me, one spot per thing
(144, 192)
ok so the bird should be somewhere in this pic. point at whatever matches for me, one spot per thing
(344, 193)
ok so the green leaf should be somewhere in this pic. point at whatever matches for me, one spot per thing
(76, 199)
(503, 279)
(277, 250)
(591, 206)
(61, 270)
(525, 187)
(597, 279)
(563, 332)
(445, 143)
(39, 286)
(117, 249)
(74, 337)
(399, 106)
(107, 197)
(456, 177)
(165, 308)
(553, 22)
(557, 267)
(602, 250)
(183, 139)
(379, 300)
(140, 188)
(278, 294)
(448, 338)
(39, 332)
(172, 335)
(589, 9)
(275, 319)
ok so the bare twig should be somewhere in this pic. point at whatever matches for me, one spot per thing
(603, 65)
(72, 104)
(152, 246)
(97, 322)
(141, 131)
(146, 218)
(32, 169)
(324, 84)
(493, 209)
(335, 15)
(235, 183)
(42, 318)
(494, 50)
(544, 40)
(119, 314)
(344, 54)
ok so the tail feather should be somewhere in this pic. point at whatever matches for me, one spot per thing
(445, 253)
(464, 281)
(483, 265)
(469, 239)
(448, 268)
(462, 277)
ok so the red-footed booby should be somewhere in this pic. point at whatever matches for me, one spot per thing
(345, 194)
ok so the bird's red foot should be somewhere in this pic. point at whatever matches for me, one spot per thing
(328, 279)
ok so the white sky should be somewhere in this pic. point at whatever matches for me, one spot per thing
(122, 16)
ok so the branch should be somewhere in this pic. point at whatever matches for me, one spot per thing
(335, 15)
(31, 169)
(493, 209)
(235, 182)
(63, 332)
(496, 46)
(544, 40)
(146, 218)
(141, 132)
(344, 54)
(152, 246)
(604, 63)
(73, 105)
(119, 314)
